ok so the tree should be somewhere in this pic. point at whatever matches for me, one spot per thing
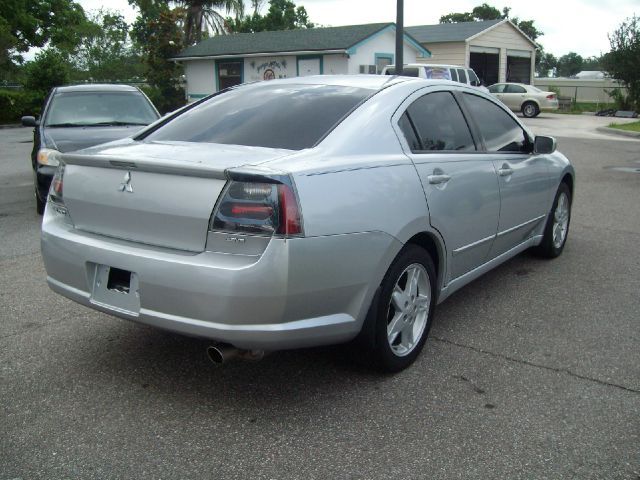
(545, 63)
(623, 61)
(36, 23)
(527, 27)
(282, 15)
(158, 33)
(202, 16)
(569, 64)
(106, 53)
(487, 12)
(478, 14)
(50, 68)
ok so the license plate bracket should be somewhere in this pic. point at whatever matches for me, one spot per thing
(115, 289)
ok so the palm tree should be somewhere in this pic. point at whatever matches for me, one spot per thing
(204, 16)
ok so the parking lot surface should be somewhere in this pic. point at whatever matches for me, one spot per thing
(532, 371)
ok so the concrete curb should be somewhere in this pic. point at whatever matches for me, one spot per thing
(12, 125)
(617, 131)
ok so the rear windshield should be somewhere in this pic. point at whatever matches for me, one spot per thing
(406, 72)
(276, 116)
(437, 73)
(70, 109)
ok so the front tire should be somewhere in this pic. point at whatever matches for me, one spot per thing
(557, 227)
(530, 110)
(402, 314)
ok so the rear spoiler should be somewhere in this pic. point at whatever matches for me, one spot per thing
(154, 165)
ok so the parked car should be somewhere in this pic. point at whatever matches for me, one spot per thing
(527, 99)
(305, 211)
(79, 116)
(455, 73)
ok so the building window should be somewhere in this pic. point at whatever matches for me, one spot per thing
(229, 74)
(382, 60)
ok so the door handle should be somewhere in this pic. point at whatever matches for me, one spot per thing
(438, 179)
(505, 170)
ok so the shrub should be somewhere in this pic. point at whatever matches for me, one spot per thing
(15, 104)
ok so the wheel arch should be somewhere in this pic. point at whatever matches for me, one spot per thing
(568, 179)
(530, 100)
(435, 247)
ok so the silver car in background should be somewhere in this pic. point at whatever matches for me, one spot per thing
(527, 99)
(305, 211)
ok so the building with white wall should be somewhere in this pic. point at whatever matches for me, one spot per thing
(226, 60)
(497, 50)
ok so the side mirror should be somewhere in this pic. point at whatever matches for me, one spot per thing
(475, 83)
(29, 121)
(544, 145)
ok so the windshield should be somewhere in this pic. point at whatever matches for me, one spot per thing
(287, 116)
(70, 109)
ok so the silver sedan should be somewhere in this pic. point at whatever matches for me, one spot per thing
(306, 211)
(527, 99)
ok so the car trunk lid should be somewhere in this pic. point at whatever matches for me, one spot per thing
(160, 194)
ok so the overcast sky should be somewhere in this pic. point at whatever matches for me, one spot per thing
(579, 26)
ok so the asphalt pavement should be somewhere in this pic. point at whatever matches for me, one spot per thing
(531, 372)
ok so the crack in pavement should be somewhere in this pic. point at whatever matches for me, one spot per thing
(537, 365)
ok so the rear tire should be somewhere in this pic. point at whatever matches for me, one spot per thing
(556, 230)
(401, 314)
(530, 109)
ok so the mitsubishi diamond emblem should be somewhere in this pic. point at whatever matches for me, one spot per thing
(126, 186)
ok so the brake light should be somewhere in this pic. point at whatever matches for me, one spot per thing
(57, 184)
(551, 97)
(258, 207)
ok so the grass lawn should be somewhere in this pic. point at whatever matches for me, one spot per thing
(632, 127)
(578, 108)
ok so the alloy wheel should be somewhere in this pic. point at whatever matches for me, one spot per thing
(560, 220)
(408, 310)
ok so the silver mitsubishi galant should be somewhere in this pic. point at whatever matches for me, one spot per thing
(305, 211)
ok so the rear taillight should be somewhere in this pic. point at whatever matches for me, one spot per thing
(551, 97)
(258, 207)
(55, 192)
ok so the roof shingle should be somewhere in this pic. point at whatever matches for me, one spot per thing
(313, 39)
(449, 32)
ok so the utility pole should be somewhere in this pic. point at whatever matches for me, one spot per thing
(399, 37)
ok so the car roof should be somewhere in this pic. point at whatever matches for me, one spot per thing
(97, 87)
(372, 82)
(430, 65)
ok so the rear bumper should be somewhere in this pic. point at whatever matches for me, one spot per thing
(298, 293)
(549, 105)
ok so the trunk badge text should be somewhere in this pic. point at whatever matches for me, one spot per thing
(126, 186)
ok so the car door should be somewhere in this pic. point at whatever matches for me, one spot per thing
(523, 177)
(514, 96)
(459, 182)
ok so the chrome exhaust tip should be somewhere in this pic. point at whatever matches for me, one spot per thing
(223, 352)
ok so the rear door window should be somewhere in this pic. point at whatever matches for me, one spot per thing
(454, 74)
(500, 131)
(437, 73)
(439, 123)
(276, 116)
(473, 78)
(511, 88)
(462, 76)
